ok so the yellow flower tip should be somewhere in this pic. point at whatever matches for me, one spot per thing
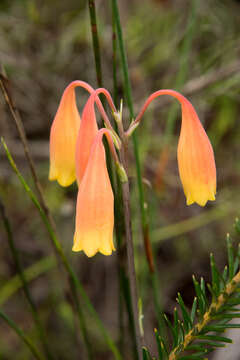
(107, 249)
(201, 202)
(91, 243)
(200, 195)
(64, 179)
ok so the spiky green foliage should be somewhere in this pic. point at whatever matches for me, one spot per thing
(197, 332)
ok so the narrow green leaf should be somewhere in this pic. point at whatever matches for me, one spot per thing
(164, 347)
(146, 355)
(203, 287)
(193, 311)
(214, 338)
(212, 344)
(234, 301)
(159, 345)
(215, 277)
(195, 347)
(238, 251)
(219, 328)
(228, 307)
(225, 274)
(237, 225)
(214, 328)
(230, 257)
(176, 324)
(214, 295)
(173, 330)
(175, 318)
(181, 331)
(196, 356)
(187, 322)
(235, 266)
(236, 262)
(227, 316)
(232, 326)
(200, 296)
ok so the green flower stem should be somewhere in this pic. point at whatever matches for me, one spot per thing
(21, 334)
(130, 250)
(131, 265)
(27, 293)
(114, 59)
(118, 211)
(124, 285)
(128, 93)
(74, 281)
(143, 209)
(96, 47)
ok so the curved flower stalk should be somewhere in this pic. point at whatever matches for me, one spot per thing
(95, 203)
(195, 154)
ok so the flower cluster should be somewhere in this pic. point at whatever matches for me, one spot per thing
(77, 153)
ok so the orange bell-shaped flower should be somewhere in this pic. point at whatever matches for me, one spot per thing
(195, 154)
(95, 205)
(63, 136)
(195, 159)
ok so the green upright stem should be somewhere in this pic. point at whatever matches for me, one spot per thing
(128, 93)
(143, 208)
(21, 334)
(130, 256)
(73, 278)
(124, 285)
(114, 59)
(96, 47)
(27, 293)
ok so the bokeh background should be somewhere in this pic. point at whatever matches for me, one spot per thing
(191, 46)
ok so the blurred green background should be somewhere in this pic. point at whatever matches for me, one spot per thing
(191, 46)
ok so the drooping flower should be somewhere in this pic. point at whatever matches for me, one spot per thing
(195, 159)
(63, 136)
(195, 154)
(95, 205)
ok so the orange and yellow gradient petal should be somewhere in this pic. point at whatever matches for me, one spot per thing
(87, 133)
(195, 159)
(95, 206)
(63, 139)
(195, 154)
